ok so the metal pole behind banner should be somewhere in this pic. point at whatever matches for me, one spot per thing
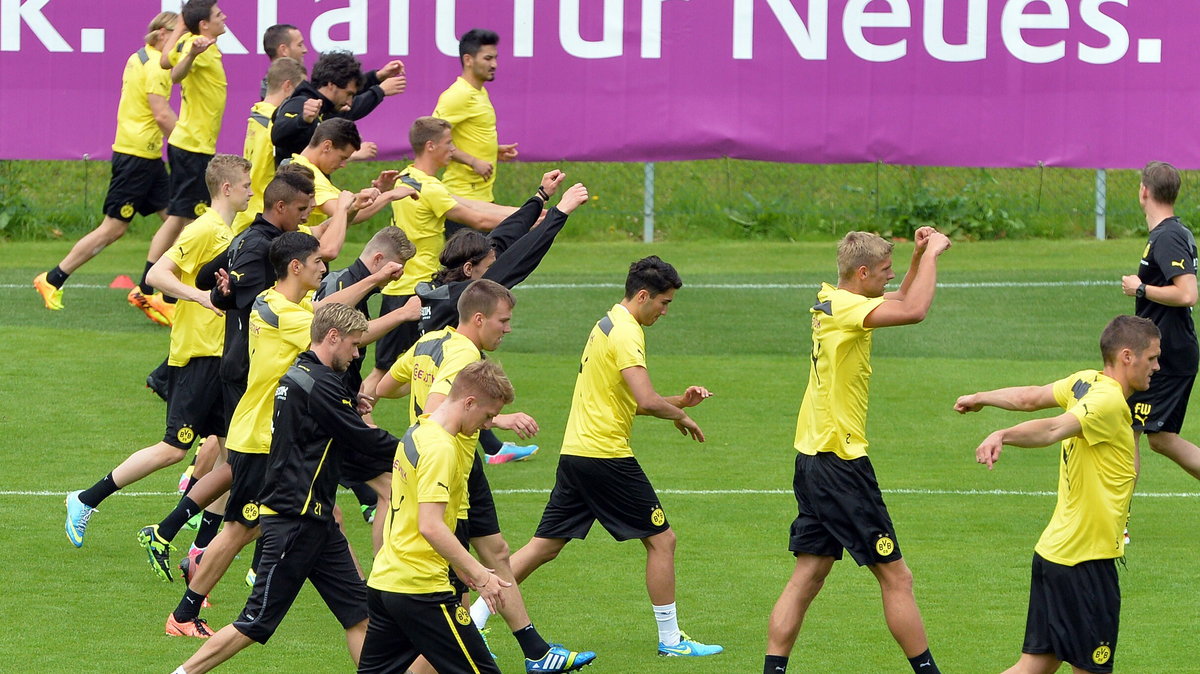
(648, 204)
(1101, 202)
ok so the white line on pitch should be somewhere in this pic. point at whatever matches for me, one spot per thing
(709, 492)
(710, 286)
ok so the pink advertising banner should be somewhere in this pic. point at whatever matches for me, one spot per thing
(1085, 83)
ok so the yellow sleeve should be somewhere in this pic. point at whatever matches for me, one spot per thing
(188, 251)
(402, 369)
(856, 312)
(325, 191)
(183, 44)
(452, 106)
(295, 326)
(453, 363)
(158, 80)
(1097, 411)
(437, 198)
(436, 472)
(629, 346)
(1063, 394)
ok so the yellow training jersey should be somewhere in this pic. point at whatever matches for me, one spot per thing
(602, 407)
(424, 221)
(203, 99)
(1095, 473)
(138, 134)
(833, 415)
(431, 466)
(259, 151)
(431, 366)
(279, 331)
(196, 331)
(473, 119)
(324, 191)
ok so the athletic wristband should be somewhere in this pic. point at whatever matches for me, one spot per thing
(541, 192)
(1140, 293)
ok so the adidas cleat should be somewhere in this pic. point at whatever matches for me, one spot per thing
(559, 659)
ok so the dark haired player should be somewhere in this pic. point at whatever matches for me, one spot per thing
(1165, 288)
(598, 477)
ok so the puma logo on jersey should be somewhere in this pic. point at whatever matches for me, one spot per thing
(1178, 264)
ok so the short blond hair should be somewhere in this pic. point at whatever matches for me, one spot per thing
(334, 316)
(224, 168)
(483, 379)
(393, 243)
(163, 20)
(861, 249)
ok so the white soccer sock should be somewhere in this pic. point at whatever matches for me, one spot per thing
(668, 624)
(179, 670)
(480, 613)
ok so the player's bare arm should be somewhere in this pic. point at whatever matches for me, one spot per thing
(164, 57)
(1034, 433)
(164, 116)
(1181, 292)
(181, 69)
(432, 525)
(650, 403)
(921, 241)
(694, 395)
(165, 275)
(918, 297)
(483, 168)
(388, 387)
(1015, 398)
(378, 327)
(518, 422)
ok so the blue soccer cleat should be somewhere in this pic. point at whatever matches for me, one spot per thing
(559, 659)
(687, 647)
(510, 452)
(78, 514)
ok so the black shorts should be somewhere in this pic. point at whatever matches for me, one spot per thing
(232, 392)
(1074, 612)
(189, 192)
(296, 549)
(1161, 408)
(615, 492)
(359, 467)
(249, 476)
(462, 533)
(437, 626)
(138, 185)
(481, 507)
(393, 344)
(195, 407)
(838, 505)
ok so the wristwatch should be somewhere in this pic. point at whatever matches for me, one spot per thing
(1140, 293)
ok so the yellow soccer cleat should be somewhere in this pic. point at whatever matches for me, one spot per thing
(51, 296)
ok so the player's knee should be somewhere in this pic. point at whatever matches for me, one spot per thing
(494, 549)
(113, 229)
(663, 543)
(896, 577)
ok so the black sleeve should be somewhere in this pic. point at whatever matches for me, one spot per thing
(519, 261)
(1174, 254)
(364, 102)
(206, 278)
(332, 405)
(370, 79)
(247, 278)
(288, 128)
(516, 225)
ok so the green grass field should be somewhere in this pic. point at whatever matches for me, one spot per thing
(1010, 313)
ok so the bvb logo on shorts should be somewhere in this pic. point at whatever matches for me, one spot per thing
(127, 211)
(1102, 654)
(250, 512)
(657, 516)
(200, 208)
(462, 615)
(885, 546)
(186, 435)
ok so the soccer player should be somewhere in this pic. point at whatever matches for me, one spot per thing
(598, 477)
(279, 331)
(1165, 288)
(839, 504)
(282, 40)
(424, 221)
(414, 610)
(284, 75)
(194, 404)
(426, 373)
(508, 255)
(388, 245)
(467, 106)
(1074, 597)
(333, 91)
(313, 418)
(328, 151)
(139, 181)
(195, 63)
(249, 272)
